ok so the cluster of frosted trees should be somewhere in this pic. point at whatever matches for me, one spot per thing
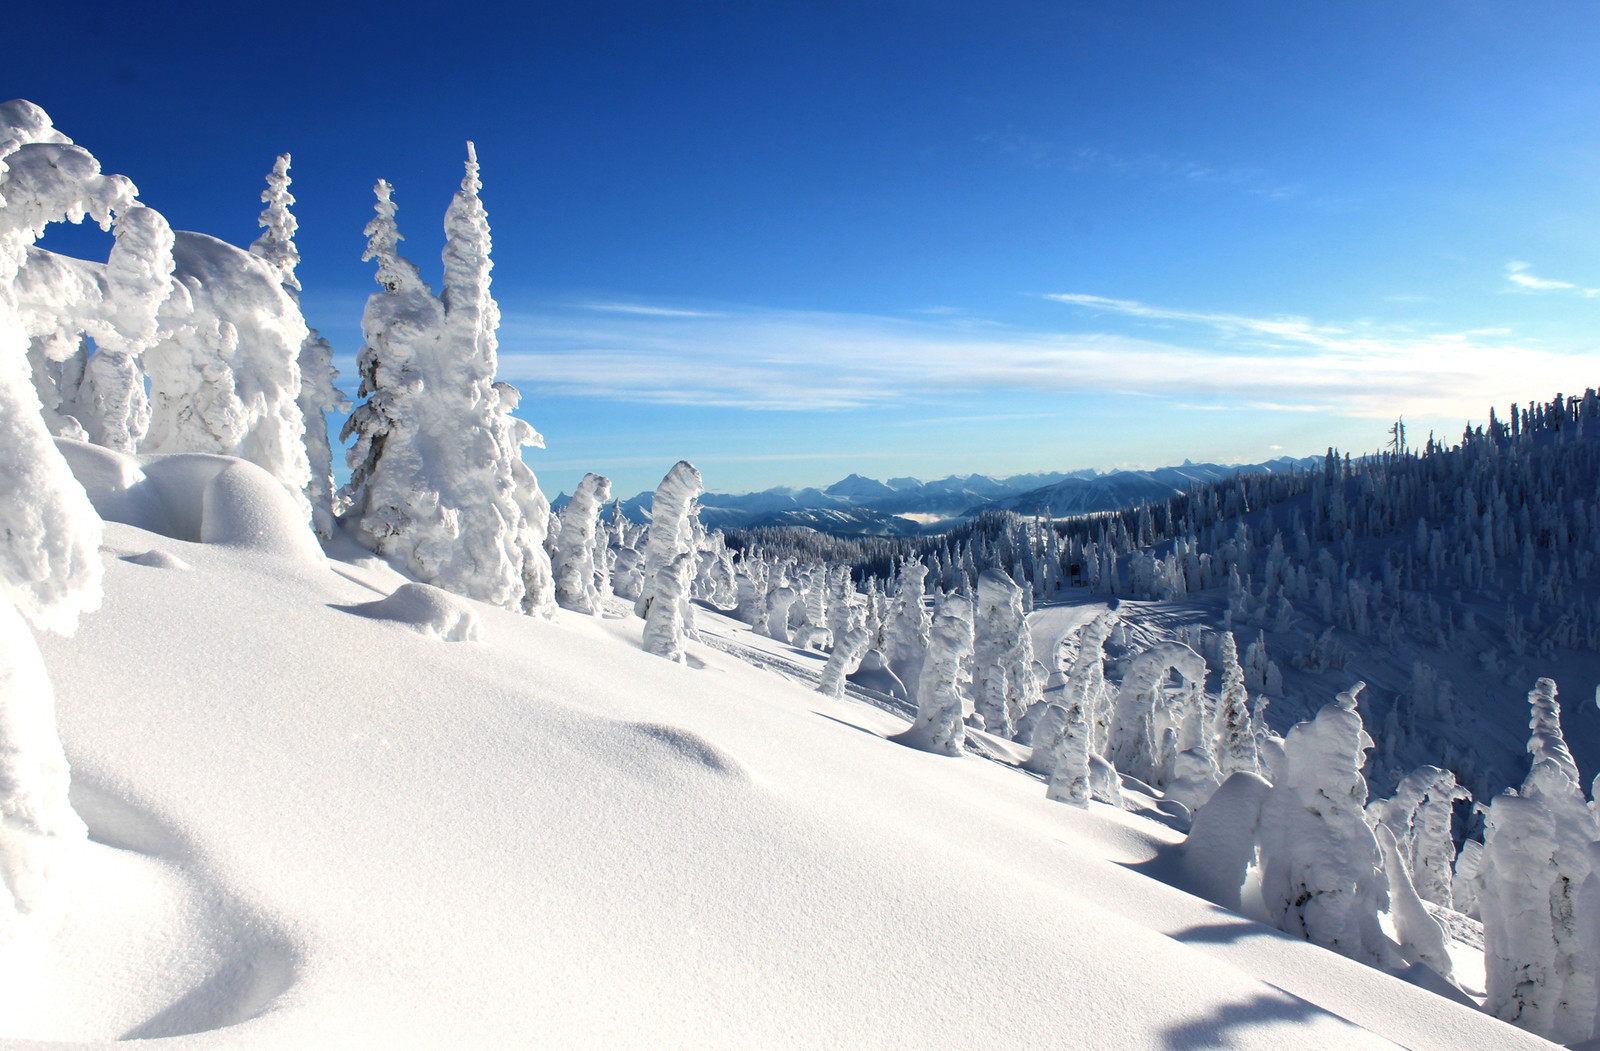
(181, 343)
(1303, 849)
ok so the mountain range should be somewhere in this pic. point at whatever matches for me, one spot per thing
(860, 506)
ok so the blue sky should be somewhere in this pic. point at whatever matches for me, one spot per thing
(792, 241)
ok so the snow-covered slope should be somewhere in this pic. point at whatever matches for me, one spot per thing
(318, 827)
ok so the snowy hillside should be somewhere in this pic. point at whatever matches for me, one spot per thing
(417, 761)
(317, 825)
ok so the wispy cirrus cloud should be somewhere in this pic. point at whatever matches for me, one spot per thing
(811, 360)
(1035, 152)
(645, 310)
(1522, 279)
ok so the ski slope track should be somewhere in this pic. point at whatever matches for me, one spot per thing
(317, 825)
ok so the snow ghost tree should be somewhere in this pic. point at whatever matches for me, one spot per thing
(1004, 683)
(849, 646)
(1536, 859)
(225, 374)
(1143, 739)
(1063, 743)
(50, 569)
(1237, 740)
(62, 302)
(576, 571)
(318, 396)
(671, 535)
(663, 623)
(437, 478)
(1421, 937)
(938, 727)
(1320, 863)
(1419, 817)
(908, 627)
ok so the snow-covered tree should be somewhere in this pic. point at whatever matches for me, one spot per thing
(437, 477)
(938, 727)
(1420, 936)
(671, 534)
(1063, 734)
(664, 628)
(50, 568)
(908, 626)
(1145, 720)
(318, 395)
(1004, 683)
(577, 554)
(1537, 856)
(849, 646)
(1237, 741)
(1320, 864)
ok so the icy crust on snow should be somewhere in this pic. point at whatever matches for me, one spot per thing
(427, 610)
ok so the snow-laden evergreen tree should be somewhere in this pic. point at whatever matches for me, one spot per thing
(751, 581)
(1145, 723)
(225, 373)
(909, 626)
(65, 302)
(318, 395)
(849, 646)
(1419, 816)
(1237, 741)
(1320, 864)
(938, 727)
(577, 576)
(1004, 684)
(671, 534)
(1537, 856)
(437, 477)
(781, 601)
(1063, 737)
(664, 627)
(1467, 883)
(50, 567)
(1421, 937)
(1521, 931)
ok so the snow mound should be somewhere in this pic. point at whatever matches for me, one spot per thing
(670, 748)
(155, 558)
(147, 946)
(427, 610)
(198, 497)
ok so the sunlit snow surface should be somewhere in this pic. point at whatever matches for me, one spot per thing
(322, 829)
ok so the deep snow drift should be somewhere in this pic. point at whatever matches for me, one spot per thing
(315, 827)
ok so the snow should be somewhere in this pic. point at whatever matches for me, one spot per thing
(196, 497)
(426, 610)
(310, 816)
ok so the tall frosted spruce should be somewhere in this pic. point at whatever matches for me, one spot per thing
(318, 395)
(436, 473)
